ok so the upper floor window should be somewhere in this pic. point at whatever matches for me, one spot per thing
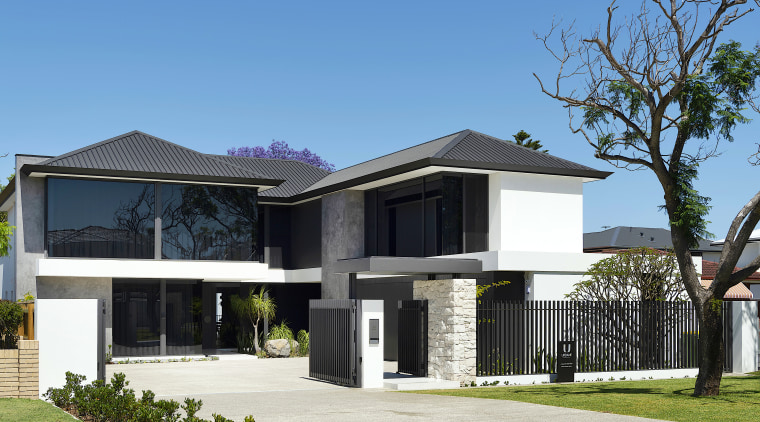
(442, 214)
(108, 219)
(208, 222)
(100, 219)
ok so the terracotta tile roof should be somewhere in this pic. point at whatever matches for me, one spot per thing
(709, 268)
(739, 291)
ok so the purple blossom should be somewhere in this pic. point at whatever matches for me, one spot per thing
(281, 150)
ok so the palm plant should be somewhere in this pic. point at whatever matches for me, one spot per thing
(255, 308)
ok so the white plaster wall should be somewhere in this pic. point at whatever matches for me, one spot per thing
(746, 342)
(67, 332)
(550, 286)
(147, 268)
(535, 212)
(372, 354)
(751, 251)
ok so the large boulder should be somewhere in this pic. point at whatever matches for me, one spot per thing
(279, 348)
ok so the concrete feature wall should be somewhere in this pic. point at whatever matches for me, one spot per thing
(452, 352)
(19, 371)
(7, 263)
(342, 237)
(535, 212)
(29, 236)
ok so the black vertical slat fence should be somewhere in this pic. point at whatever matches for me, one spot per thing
(332, 340)
(413, 337)
(728, 337)
(521, 337)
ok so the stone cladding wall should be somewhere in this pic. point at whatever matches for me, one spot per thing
(451, 327)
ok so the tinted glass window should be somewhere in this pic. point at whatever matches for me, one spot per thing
(209, 222)
(136, 318)
(416, 218)
(401, 229)
(100, 219)
(184, 316)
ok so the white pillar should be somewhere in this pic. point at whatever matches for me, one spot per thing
(372, 340)
(746, 344)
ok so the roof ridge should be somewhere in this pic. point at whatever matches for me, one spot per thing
(251, 173)
(396, 152)
(454, 142)
(529, 150)
(269, 159)
(91, 146)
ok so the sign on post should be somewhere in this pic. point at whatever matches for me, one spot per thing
(566, 361)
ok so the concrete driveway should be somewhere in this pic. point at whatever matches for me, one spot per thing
(280, 390)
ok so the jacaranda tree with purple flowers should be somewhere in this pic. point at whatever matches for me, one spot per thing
(281, 150)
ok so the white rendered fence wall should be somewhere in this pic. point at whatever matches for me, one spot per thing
(67, 330)
(746, 332)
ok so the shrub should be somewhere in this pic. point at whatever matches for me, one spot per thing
(245, 343)
(11, 316)
(280, 331)
(303, 342)
(101, 402)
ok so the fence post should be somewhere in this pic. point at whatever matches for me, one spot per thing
(745, 336)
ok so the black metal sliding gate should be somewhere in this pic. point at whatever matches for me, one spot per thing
(332, 340)
(413, 337)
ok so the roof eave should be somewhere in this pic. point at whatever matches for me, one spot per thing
(447, 162)
(42, 170)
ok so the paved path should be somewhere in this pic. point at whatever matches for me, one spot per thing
(280, 390)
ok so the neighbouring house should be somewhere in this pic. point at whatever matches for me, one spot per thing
(737, 292)
(751, 251)
(166, 234)
(622, 238)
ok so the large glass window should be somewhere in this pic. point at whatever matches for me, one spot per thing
(184, 310)
(208, 222)
(442, 214)
(100, 219)
(137, 310)
(421, 217)
(136, 318)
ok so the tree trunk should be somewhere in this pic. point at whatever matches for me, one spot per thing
(256, 338)
(710, 349)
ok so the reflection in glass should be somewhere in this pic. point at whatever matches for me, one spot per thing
(184, 310)
(100, 219)
(208, 222)
(136, 322)
(412, 221)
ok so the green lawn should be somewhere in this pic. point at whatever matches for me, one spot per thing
(670, 399)
(27, 410)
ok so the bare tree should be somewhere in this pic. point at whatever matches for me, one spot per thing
(659, 94)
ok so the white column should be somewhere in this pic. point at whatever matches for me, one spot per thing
(372, 344)
(746, 344)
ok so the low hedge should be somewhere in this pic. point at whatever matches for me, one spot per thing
(11, 316)
(103, 402)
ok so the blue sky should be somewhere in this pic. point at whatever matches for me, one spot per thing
(349, 80)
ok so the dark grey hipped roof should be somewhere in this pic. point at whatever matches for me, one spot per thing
(297, 175)
(139, 155)
(623, 237)
(465, 149)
